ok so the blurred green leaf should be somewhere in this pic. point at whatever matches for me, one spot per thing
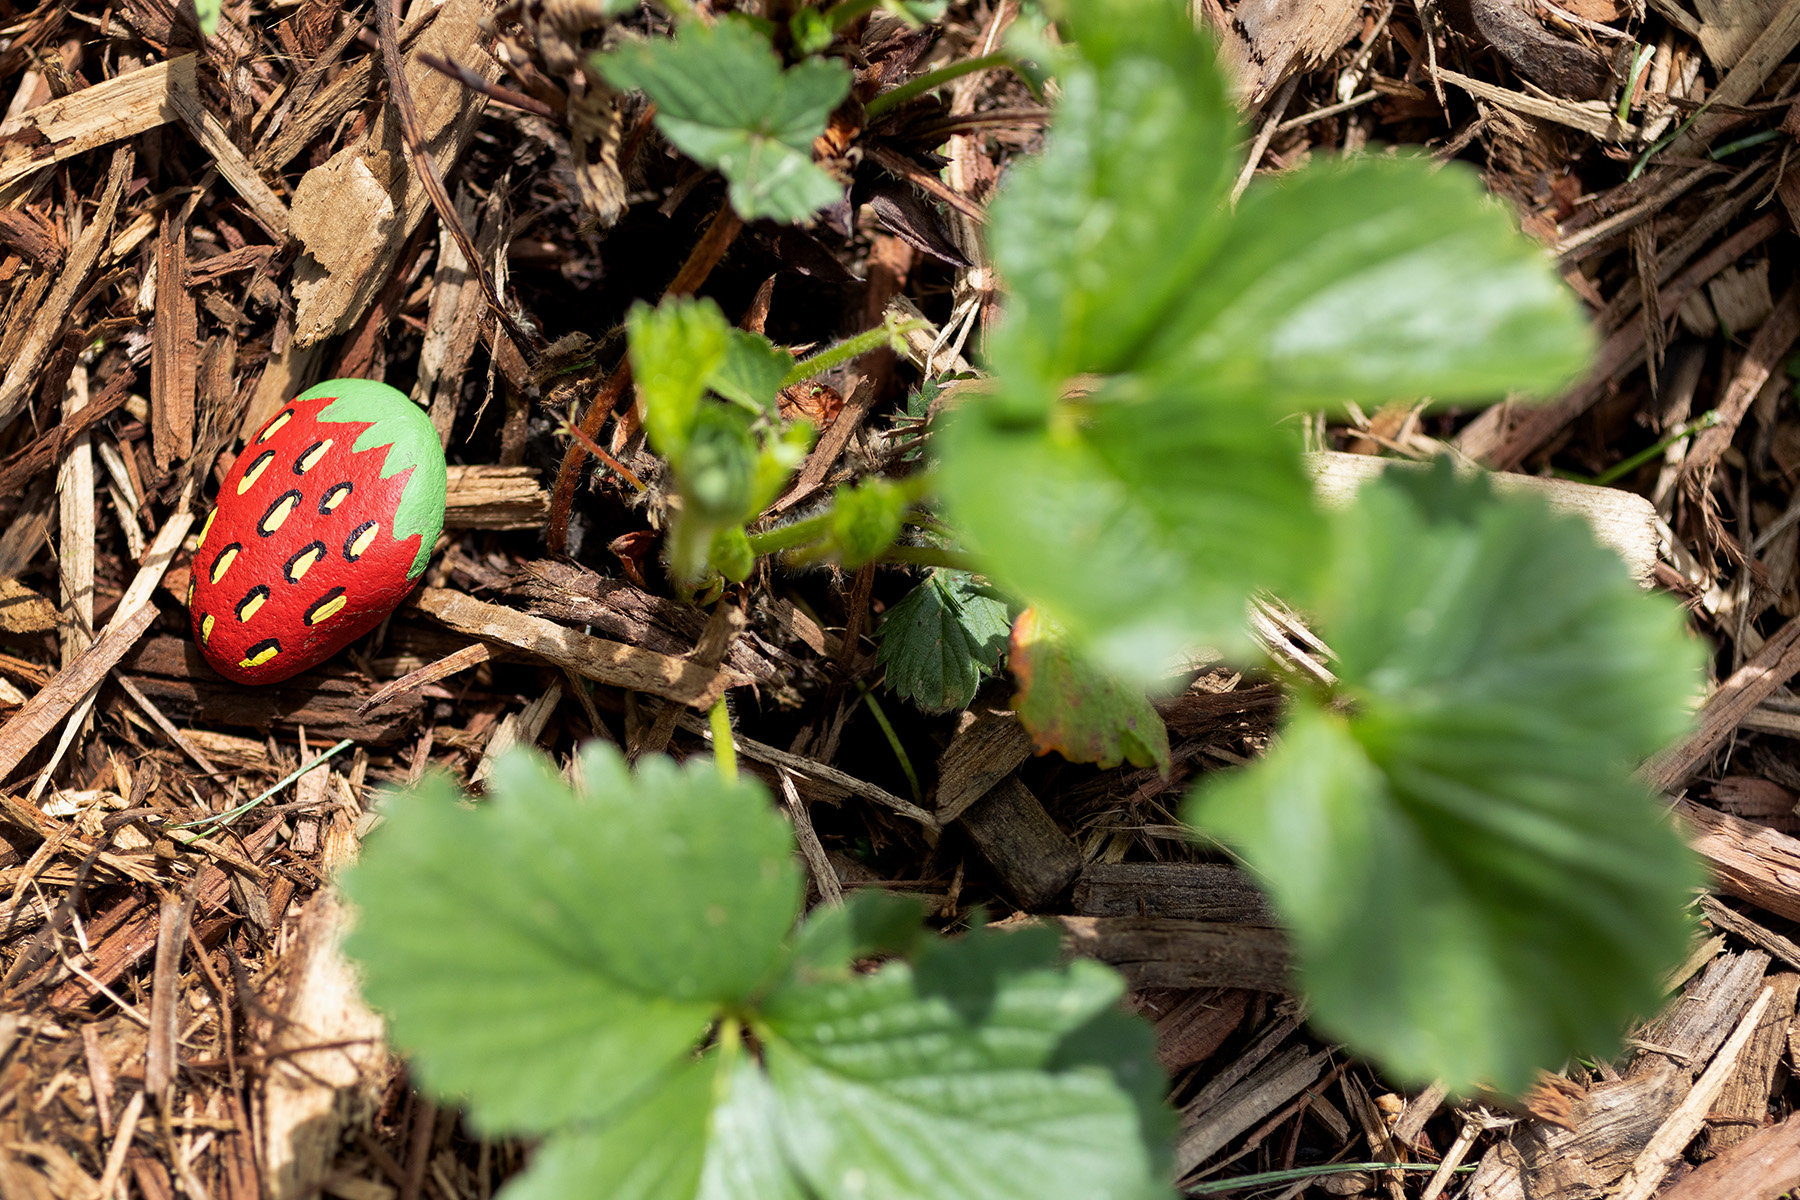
(491, 937)
(723, 99)
(1095, 248)
(941, 639)
(675, 349)
(751, 371)
(208, 13)
(718, 469)
(1140, 522)
(869, 922)
(989, 1070)
(1373, 279)
(865, 520)
(1082, 713)
(1476, 884)
(918, 12)
(730, 553)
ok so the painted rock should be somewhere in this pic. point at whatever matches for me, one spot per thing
(322, 526)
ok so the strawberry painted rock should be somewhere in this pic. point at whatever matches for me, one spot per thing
(322, 526)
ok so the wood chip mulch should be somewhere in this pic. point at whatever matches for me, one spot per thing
(191, 230)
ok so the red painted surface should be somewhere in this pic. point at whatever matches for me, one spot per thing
(300, 555)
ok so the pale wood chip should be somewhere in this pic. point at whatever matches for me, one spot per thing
(1761, 1167)
(1622, 520)
(354, 213)
(490, 497)
(122, 107)
(612, 663)
(24, 367)
(1690, 1115)
(1595, 118)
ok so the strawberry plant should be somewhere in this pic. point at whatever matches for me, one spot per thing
(610, 965)
(1476, 885)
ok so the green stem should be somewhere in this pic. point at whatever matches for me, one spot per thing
(884, 335)
(1744, 143)
(786, 537)
(220, 820)
(893, 739)
(930, 556)
(724, 750)
(1620, 470)
(1266, 1178)
(888, 101)
(1638, 62)
(1667, 140)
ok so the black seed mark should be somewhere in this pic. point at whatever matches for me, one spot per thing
(222, 563)
(275, 423)
(278, 512)
(331, 601)
(316, 550)
(250, 473)
(333, 496)
(351, 554)
(252, 600)
(307, 458)
(260, 653)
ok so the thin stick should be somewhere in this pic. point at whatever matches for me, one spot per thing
(413, 130)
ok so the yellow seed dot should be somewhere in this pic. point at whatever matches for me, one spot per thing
(262, 656)
(334, 497)
(255, 471)
(327, 610)
(303, 564)
(286, 415)
(277, 516)
(190, 596)
(311, 458)
(206, 627)
(223, 563)
(205, 529)
(248, 608)
(363, 540)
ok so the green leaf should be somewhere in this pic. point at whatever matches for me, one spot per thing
(986, 1071)
(1377, 278)
(1094, 248)
(868, 923)
(1476, 884)
(1080, 712)
(723, 99)
(718, 468)
(707, 1132)
(781, 452)
(1143, 528)
(493, 937)
(675, 349)
(941, 639)
(208, 13)
(752, 370)
(865, 520)
(917, 12)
